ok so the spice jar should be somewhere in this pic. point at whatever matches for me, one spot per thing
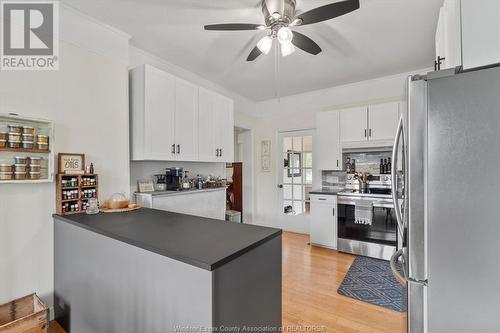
(3, 143)
(15, 129)
(3, 136)
(20, 168)
(21, 160)
(42, 138)
(6, 167)
(6, 175)
(28, 130)
(19, 175)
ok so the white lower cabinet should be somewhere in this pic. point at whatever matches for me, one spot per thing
(206, 203)
(323, 231)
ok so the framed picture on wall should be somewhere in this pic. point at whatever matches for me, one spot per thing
(70, 163)
(266, 155)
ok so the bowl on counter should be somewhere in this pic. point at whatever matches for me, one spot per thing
(117, 201)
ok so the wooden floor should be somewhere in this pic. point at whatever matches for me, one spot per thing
(311, 277)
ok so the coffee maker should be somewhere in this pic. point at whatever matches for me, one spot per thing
(174, 179)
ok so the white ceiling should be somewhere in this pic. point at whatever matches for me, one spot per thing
(383, 37)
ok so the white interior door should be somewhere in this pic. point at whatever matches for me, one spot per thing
(295, 172)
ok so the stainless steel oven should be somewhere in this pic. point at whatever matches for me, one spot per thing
(377, 239)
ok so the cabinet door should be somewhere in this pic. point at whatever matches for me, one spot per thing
(353, 124)
(206, 146)
(186, 121)
(159, 115)
(327, 144)
(383, 121)
(480, 33)
(323, 229)
(224, 128)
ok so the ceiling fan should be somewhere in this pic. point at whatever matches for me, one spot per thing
(280, 16)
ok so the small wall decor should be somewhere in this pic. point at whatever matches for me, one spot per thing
(71, 164)
(266, 155)
(146, 186)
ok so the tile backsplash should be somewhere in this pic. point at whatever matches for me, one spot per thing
(367, 162)
(333, 180)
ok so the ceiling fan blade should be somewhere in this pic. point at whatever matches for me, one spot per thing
(234, 27)
(328, 12)
(254, 54)
(305, 43)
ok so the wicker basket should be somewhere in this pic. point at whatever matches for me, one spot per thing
(24, 315)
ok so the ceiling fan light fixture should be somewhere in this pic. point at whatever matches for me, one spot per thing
(287, 49)
(265, 44)
(285, 35)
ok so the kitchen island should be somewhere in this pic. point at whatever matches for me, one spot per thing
(157, 271)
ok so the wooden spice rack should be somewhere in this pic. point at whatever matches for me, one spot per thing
(78, 200)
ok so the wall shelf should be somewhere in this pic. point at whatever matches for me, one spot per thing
(80, 199)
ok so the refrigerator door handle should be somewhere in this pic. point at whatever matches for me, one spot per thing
(394, 185)
(398, 269)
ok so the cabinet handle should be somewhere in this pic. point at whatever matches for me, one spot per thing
(217, 152)
(365, 133)
(221, 152)
(322, 199)
(334, 211)
(173, 149)
(178, 149)
(370, 132)
(337, 163)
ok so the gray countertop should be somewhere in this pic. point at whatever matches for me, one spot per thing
(198, 241)
(168, 193)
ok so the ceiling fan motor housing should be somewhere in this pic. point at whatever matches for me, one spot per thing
(278, 11)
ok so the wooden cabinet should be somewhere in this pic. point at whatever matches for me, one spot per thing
(369, 126)
(323, 231)
(468, 34)
(175, 120)
(383, 121)
(328, 152)
(216, 127)
(353, 124)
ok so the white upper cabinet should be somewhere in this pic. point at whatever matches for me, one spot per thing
(152, 104)
(468, 34)
(175, 120)
(369, 126)
(328, 152)
(186, 121)
(383, 121)
(223, 123)
(448, 36)
(353, 124)
(216, 127)
(480, 32)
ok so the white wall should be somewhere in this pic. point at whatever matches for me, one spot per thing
(88, 100)
(298, 112)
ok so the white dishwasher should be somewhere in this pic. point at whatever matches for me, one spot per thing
(323, 230)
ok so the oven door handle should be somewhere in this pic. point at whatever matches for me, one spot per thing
(394, 177)
(397, 268)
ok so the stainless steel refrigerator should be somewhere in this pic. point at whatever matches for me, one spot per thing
(446, 180)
